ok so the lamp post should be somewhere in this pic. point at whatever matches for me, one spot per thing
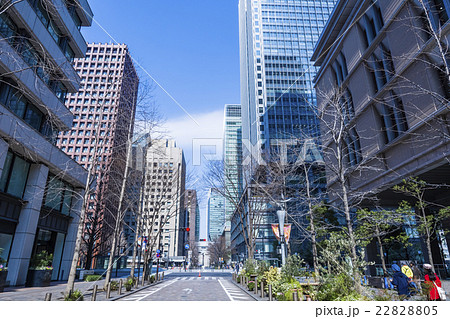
(281, 215)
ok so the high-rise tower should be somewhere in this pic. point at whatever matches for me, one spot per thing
(103, 110)
(232, 143)
(277, 38)
(279, 123)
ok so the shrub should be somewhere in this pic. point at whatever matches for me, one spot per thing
(131, 281)
(338, 288)
(285, 290)
(292, 268)
(92, 278)
(76, 295)
(261, 269)
(41, 261)
(238, 279)
(250, 267)
(251, 285)
(114, 285)
(152, 279)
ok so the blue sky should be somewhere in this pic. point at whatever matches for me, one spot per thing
(191, 48)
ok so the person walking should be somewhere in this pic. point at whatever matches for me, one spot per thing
(432, 280)
(401, 281)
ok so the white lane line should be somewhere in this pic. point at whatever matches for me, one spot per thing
(152, 292)
(229, 296)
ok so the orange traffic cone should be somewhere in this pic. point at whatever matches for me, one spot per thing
(199, 274)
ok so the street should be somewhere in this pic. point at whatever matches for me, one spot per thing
(181, 286)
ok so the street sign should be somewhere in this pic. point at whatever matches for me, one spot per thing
(158, 251)
(186, 246)
(158, 255)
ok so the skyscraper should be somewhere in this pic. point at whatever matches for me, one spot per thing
(216, 213)
(103, 109)
(232, 162)
(40, 186)
(277, 38)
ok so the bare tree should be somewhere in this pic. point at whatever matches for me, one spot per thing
(218, 251)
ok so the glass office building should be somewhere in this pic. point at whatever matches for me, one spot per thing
(216, 214)
(277, 38)
(232, 161)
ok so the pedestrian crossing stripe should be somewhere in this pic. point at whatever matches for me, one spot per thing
(197, 278)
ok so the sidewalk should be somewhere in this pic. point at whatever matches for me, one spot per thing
(57, 288)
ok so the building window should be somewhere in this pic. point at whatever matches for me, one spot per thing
(58, 195)
(14, 175)
(353, 147)
(380, 67)
(26, 111)
(393, 117)
(371, 23)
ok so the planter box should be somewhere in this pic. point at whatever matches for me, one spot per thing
(38, 278)
(3, 275)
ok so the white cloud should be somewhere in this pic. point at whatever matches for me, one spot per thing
(205, 132)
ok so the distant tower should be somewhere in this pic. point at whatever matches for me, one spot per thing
(232, 162)
(193, 215)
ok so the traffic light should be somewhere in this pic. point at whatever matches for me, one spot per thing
(185, 229)
(188, 229)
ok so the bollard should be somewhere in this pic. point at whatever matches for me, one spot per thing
(120, 287)
(94, 293)
(295, 295)
(162, 276)
(256, 286)
(48, 296)
(108, 290)
(262, 289)
(270, 293)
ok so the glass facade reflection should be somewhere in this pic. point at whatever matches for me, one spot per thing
(277, 38)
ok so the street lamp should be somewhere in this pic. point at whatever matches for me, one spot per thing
(281, 215)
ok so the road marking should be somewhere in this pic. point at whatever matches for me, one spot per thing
(229, 296)
(197, 278)
(187, 291)
(235, 293)
(153, 291)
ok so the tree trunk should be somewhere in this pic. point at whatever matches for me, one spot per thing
(121, 197)
(354, 256)
(311, 222)
(76, 253)
(381, 251)
(139, 218)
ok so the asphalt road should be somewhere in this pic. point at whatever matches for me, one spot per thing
(180, 286)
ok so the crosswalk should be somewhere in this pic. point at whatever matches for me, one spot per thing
(233, 292)
(197, 278)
